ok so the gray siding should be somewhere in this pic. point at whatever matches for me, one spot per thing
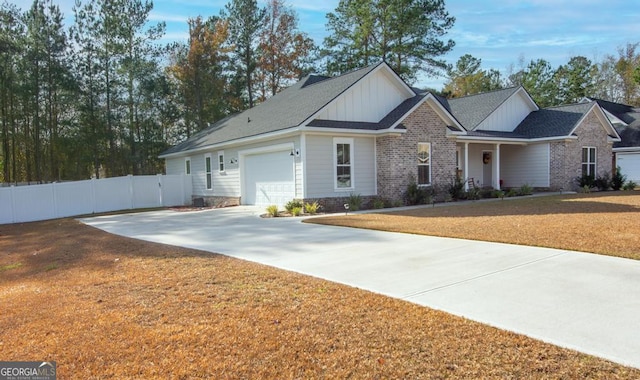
(525, 165)
(320, 171)
(175, 166)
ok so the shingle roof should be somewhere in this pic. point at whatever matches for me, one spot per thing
(472, 110)
(630, 134)
(287, 109)
(553, 121)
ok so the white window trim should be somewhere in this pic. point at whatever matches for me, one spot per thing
(430, 165)
(336, 141)
(221, 155)
(595, 159)
(187, 166)
(208, 173)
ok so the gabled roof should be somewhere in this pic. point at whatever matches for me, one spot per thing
(472, 110)
(387, 122)
(629, 133)
(558, 121)
(287, 109)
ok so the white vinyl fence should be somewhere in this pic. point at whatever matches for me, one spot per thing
(57, 200)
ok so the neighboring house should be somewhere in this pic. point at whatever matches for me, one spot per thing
(626, 120)
(368, 133)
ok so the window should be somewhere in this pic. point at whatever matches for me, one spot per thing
(187, 166)
(589, 161)
(207, 168)
(424, 163)
(221, 161)
(343, 149)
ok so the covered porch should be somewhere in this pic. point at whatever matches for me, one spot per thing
(502, 164)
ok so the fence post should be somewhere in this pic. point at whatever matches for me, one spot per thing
(131, 194)
(160, 190)
(13, 204)
(54, 195)
(93, 194)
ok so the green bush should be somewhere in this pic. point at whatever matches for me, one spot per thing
(311, 208)
(629, 186)
(355, 202)
(416, 195)
(293, 204)
(498, 194)
(586, 180)
(618, 179)
(512, 193)
(272, 210)
(487, 193)
(525, 189)
(456, 188)
(602, 182)
(379, 203)
(473, 194)
(296, 211)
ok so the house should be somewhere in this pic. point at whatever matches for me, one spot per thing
(626, 120)
(368, 133)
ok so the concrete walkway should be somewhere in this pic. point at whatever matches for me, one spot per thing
(587, 302)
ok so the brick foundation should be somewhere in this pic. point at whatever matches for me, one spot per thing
(216, 201)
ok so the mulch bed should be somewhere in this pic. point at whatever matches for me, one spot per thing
(104, 306)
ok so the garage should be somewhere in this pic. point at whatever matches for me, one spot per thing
(629, 163)
(268, 178)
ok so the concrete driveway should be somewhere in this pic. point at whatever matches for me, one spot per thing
(587, 302)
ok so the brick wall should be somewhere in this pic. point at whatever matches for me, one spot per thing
(566, 156)
(397, 155)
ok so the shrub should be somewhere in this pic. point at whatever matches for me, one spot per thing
(416, 195)
(602, 182)
(293, 204)
(498, 194)
(486, 193)
(311, 208)
(586, 180)
(355, 202)
(473, 194)
(272, 210)
(618, 179)
(378, 203)
(456, 188)
(629, 186)
(525, 189)
(585, 189)
(296, 211)
(512, 193)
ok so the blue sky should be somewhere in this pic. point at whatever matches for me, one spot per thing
(497, 32)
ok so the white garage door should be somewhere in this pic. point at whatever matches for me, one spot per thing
(629, 165)
(269, 179)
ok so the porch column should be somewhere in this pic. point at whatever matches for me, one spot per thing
(465, 177)
(497, 184)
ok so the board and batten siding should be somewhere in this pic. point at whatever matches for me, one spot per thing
(509, 115)
(369, 100)
(320, 171)
(525, 165)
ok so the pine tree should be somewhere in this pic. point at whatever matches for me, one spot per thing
(404, 33)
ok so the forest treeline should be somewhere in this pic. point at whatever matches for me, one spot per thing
(103, 96)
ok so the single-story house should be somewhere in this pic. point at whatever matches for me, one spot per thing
(626, 120)
(368, 133)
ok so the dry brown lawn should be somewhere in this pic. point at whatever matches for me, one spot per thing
(606, 223)
(104, 306)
